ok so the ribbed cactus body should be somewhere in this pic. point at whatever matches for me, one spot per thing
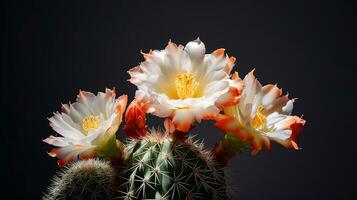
(86, 179)
(163, 168)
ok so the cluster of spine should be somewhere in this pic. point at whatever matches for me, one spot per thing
(86, 179)
(165, 168)
(156, 167)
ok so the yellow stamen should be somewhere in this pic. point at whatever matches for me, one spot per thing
(186, 85)
(259, 120)
(89, 122)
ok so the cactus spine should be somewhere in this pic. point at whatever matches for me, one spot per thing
(164, 168)
(86, 179)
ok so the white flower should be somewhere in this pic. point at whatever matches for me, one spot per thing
(262, 115)
(85, 125)
(184, 83)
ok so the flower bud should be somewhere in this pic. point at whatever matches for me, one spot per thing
(135, 120)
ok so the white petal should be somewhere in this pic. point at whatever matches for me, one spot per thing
(280, 134)
(216, 86)
(72, 152)
(216, 76)
(58, 141)
(63, 128)
(185, 64)
(271, 93)
(201, 112)
(281, 105)
(69, 121)
(99, 103)
(275, 118)
(78, 111)
(85, 98)
(288, 108)
(211, 63)
(251, 95)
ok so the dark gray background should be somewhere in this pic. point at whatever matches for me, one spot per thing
(51, 49)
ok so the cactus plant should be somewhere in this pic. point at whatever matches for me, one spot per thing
(85, 179)
(165, 168)
(184, 85)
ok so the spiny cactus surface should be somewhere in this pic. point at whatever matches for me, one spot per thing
(163, 168)
(86, 179)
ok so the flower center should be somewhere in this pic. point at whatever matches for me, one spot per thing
(89, 122)
(186, 85)
(259, 120)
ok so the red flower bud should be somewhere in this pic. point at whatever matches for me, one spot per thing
(135, 120)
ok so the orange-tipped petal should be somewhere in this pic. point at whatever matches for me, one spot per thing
(230, 64)
(87, 155)
(64, 159)
(53, 153)
(244, 135)
(297, 127)
(258, 142)
(171, 45)
(62, 162)
(232, 59)
(294, 145)
(183, 120)
(227, 123)
(219, 52)
(123, 100)
(169, 126)
(235, 76)
(147, 55)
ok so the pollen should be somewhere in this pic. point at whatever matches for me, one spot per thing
(89, 122)
(186, 85)
(259, 120)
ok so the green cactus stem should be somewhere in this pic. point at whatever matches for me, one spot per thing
(165, 168)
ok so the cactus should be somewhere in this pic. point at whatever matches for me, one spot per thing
(86, 179)
(165, 168)
(184, 85)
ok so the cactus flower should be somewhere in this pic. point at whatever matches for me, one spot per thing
(185, 84)
(262, 114)
(87, 127)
